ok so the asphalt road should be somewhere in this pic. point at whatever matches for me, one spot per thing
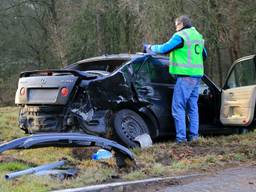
(242, 179)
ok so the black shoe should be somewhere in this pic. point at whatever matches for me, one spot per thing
(182, 142)
(193, 139)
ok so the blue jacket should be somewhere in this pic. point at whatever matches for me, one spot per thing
(174, 42)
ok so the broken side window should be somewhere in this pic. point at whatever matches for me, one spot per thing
(141, 70)
(103, 65)
(159, 71)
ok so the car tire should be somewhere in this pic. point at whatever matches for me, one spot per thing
(127, 125)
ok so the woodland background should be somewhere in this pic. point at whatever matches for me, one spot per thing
(39, 34)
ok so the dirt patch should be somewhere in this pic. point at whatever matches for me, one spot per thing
(84, 153)
(8, 159)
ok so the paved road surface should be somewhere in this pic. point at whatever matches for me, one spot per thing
(242, 179)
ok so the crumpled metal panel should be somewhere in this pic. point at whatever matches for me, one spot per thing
(66, 140)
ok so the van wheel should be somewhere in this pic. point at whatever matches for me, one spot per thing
(128, 125)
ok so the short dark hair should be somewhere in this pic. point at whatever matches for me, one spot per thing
(185, 20)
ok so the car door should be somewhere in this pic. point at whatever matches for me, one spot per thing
(208, 103)
(155, 85)
(239, 93)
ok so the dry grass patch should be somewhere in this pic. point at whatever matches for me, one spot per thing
(163, 159)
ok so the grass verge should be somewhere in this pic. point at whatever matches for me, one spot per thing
(163, 159)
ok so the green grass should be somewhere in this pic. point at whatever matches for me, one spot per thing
(13, 166)
(163, 159)
(9, 123)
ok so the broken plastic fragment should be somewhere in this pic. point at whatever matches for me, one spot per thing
(144, 140)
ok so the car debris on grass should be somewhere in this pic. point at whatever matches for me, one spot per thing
(35, 170)
(122, 153)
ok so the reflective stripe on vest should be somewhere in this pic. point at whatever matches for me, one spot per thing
(183, 60)
(190, 43)
(188, 65)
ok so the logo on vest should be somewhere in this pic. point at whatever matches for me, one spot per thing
(197, 49)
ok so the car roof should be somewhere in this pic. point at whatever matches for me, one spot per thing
(244, 58)
(109, 57)
(121, 56)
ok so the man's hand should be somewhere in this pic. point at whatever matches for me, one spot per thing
(146, 49)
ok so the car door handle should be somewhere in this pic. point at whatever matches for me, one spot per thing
(232, 96)
(231, 93)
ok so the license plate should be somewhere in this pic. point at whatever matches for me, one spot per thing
(42, 95)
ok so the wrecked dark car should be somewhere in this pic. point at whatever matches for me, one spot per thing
(126, 95)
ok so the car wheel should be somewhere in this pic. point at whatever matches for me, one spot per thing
(128, 125)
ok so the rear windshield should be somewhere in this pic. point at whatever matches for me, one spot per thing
(102, 65)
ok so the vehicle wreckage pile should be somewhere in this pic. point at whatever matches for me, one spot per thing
(122, 154)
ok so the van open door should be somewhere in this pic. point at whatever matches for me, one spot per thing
(239, 93)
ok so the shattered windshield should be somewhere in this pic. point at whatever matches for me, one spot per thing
(100, 65)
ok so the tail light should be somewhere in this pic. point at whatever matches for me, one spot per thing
(22, 91)
(64, 91)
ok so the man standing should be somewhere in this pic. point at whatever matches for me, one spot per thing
(187, 52)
